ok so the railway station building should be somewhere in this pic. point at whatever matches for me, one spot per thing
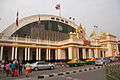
(55, 38)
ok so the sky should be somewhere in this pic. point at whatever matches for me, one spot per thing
(103, 13)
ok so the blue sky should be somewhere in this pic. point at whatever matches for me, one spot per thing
(103, 13)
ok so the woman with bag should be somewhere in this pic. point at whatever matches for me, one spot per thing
(7, 67)
(27, 69)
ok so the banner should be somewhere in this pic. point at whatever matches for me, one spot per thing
(87, 43)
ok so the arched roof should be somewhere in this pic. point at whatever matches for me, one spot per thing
(22, 22)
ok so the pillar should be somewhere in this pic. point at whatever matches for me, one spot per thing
(117, 50)
(47, 54)
(109, 52)
(25, 53)
(56, 54)
(96, 53)
(1, 51)
(90, 54)
(36, 53)
(28, 53)
(59, 54)
(16, 48)
(75, 52)
(12, 53)
(39, 54)
(78, 53)
(70, 53)
(84, 53)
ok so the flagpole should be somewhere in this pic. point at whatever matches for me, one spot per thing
(96, 30)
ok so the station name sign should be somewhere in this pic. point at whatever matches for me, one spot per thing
(87, 43)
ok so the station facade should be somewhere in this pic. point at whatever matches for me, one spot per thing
(55, 38)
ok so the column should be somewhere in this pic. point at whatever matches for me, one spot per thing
(28, 54)
(77, 53)
(36, 53)
(1, 51)
(49, 54)
(84, 53)
(39, 54)
(109, 52)
(117, 50)
(56, 54)
(90, 54)
(59, 54)
(70, 52)
(25, 53)
(96, 53)
(12, 53)
(16, 52)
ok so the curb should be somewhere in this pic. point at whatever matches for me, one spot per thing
(69, 72)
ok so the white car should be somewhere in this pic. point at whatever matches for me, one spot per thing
(102, 61)
(41, 65)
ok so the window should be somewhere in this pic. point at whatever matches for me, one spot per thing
(41, 63)
(53, 18)
(66, 21)
(62, 20)
(57, 19)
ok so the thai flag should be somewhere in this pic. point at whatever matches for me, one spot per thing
(57, 7)
(38, 23)
(39, 20)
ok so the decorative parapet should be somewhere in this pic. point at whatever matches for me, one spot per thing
(71, 40)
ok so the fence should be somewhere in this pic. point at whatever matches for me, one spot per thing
(112, 71)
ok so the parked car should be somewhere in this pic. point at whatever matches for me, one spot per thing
(113, 59)
(118, 57)
(76, 63)
(90, 61)
(102, 61)
(41, 65)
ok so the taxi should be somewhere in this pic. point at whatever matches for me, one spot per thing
(90, 61)
(76, 63)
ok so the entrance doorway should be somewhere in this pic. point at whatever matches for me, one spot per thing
(80, 53)
(66, 53)
(52, 54)
(43, 54)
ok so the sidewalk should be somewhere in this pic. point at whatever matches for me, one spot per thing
(4, 77)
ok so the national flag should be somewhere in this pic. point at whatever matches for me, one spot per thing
(92, 34)
(95, 26)
(38, 20)
(57, 7)
(17, 19)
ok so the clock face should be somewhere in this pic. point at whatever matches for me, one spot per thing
(60, 28)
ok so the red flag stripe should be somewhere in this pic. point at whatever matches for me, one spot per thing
(39, 20)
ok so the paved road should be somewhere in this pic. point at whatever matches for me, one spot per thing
(35, 74)
(97, 74)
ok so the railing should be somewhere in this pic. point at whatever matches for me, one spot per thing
(112, 71)
(38, 41)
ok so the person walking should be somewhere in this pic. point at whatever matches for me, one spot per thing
(27, 69)
(2, 66)
(7, 68)
(20, 69)
(15, 62)
(12, 67)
